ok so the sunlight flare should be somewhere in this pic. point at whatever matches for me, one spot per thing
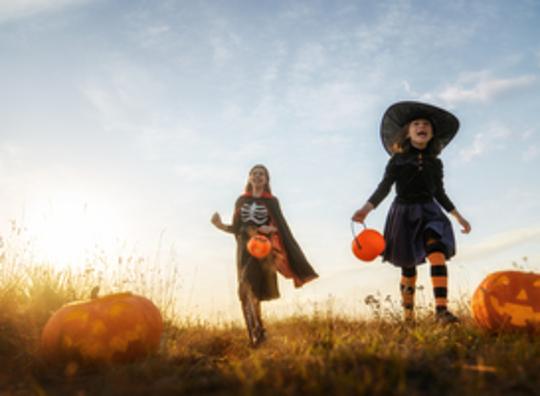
(69, 227)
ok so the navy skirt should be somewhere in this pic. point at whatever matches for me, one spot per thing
(405, 230)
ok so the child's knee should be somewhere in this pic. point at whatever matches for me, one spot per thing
(408, 272)
(432, 243)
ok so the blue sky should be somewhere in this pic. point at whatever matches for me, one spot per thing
(128, 123)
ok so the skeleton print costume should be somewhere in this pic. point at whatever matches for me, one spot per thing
(254, 212)
(257, 280)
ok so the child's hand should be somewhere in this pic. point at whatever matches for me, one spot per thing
(216, 220)
(360, 215)
(267, 229)
(466, 227)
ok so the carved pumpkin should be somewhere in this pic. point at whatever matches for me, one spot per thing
(507, 300)
(115, 328)
(259, 246)
(368, 244)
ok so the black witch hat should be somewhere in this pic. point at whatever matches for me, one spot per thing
(445, 124)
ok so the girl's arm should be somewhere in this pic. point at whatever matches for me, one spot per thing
(466, 227)
(380, 193)
(385, 185)
(440, 193)
(360, 215)
(216, 220)
(234, 227)
(442, 198)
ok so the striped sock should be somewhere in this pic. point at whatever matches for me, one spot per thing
(407, 288)
(439, 279)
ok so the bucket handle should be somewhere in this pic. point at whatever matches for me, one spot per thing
(354, 234)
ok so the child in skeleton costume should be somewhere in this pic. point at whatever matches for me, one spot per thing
(416, 228)
(257, 211)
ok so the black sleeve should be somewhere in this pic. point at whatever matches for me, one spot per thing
(440, 193)
(385, 185)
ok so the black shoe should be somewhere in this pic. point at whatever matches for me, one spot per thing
(446, 317)
(259, 338)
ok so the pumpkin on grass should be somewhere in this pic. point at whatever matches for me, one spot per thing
(508, 300)
(119, 327)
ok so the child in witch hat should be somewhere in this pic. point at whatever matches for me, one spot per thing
(416, 228)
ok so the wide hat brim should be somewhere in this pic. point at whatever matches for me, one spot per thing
(445, 124)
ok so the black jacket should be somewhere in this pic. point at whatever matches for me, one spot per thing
(418, 177)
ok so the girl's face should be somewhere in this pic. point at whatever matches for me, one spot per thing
(420, 132)
(258, 178)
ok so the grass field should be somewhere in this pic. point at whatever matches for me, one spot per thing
(304, 355)
(321, 353)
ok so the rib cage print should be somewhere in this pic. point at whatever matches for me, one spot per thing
(254, 212)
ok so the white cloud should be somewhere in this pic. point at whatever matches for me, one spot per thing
(224, 46)
(330, 107)
(311, 59)
(124, 95)
(410, 91)
(23, 8)
(476, 149)
(480, 87)
(531, 153)
(527, 134)
(494, 138)
(386, 32)
(500, 242)
(154, 35)
(225, 42)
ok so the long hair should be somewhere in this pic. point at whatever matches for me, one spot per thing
(402, 144)
(249, 188)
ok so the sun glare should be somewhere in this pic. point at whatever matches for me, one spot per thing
(67, 228)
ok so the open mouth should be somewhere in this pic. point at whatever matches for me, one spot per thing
(422, 134)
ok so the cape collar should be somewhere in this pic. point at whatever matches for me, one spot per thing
(265, 194)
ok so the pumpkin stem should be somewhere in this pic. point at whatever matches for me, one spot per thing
(94, 293)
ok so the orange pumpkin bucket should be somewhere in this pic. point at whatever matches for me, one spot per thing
(368, 244)
(259, 246)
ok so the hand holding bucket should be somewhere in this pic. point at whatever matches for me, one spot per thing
(368, 244)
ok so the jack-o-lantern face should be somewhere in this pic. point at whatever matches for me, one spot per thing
(113, 328)
(508, 300)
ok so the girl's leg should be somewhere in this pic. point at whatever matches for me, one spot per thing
(251, 308)
(262, 331)
(439, 280)
(407, 287)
